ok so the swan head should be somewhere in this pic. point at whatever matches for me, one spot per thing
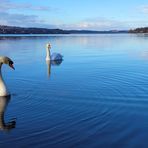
(6, 60)
(48, 45)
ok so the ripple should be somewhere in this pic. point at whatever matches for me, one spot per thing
(96, 98)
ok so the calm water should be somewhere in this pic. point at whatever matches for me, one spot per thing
(96, 98)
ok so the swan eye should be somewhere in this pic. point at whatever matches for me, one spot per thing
(10, 63)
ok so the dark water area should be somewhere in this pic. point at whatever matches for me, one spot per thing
(97, 97)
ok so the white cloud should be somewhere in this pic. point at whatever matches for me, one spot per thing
(87, 24)
(22, 20)
(96, 24)
(6, 5)
(106, 24)
(144, 8)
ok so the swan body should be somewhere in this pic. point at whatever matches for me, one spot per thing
(3, 88)
(54, 56)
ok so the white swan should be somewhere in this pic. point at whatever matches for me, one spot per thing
(3, 88)
(54, 56)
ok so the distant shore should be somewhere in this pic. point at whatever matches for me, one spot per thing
(23, 30)
(139, 30)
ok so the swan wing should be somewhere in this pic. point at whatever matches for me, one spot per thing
(56, 56)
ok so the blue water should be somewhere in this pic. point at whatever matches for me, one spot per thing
(96, 98)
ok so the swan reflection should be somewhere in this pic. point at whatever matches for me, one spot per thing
(3, 105)
(52, 63)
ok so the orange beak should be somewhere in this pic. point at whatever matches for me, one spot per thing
(11, 65)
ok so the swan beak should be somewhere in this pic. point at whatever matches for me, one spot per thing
(11, 65)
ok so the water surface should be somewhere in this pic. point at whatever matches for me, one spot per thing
(96, 98)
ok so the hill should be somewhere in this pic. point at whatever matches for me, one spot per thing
(23, 30)
(139, 30)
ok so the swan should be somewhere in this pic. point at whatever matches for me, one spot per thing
(3, 88)
(54, 56)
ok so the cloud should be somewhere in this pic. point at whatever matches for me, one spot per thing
(144, 8)
(22, 20)
(6, 5)
(96, 24)
(105, 24)
(87, 24)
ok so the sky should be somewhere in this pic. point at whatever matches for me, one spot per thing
(75, 14)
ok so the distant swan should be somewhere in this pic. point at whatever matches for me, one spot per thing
(54, 56)
(3, 88)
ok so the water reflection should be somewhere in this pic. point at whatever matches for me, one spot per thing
(3, 105)
(143, 55)
(52, 63)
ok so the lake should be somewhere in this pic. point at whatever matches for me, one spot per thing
(97, 97)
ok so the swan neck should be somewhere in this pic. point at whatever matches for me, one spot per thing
(3, 88)
(47, 53)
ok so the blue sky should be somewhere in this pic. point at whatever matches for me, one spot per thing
(75, 14)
